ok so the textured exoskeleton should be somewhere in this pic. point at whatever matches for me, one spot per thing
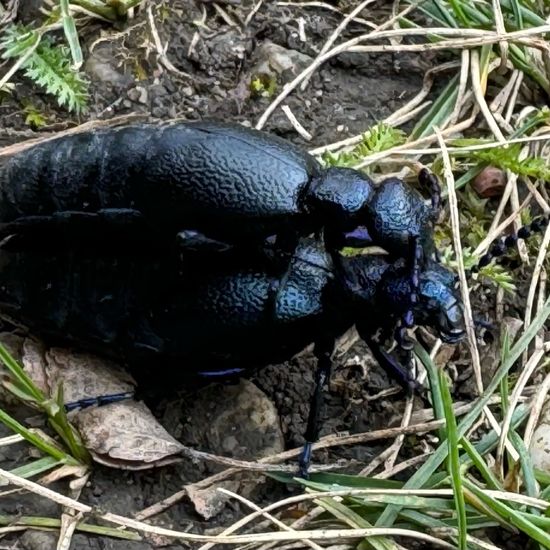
(211, 184)
(203, 318)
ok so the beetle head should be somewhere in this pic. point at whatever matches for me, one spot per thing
(437, 305)
(397, 212)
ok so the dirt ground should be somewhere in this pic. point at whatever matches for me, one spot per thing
(212, 65)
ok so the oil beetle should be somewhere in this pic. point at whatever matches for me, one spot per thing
(204, 317)
(209, 185)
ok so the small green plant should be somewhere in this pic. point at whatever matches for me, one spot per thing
(21, 386)
(493, 272)
(33, 117)
(263, 85)
(380, 137)
(47, 64)
(53, 66)
(507, 158)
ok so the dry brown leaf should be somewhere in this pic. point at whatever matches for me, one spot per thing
(126, 435)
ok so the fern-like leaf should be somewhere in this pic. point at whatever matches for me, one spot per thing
(380, 137)
(49, 66)
(507, 158)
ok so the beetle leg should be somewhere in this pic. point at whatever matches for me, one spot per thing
(501, 246)
(103, 221)
(99, 401)
(221, 373)
(358, 238)
(323, 353)
(285, 254)
(407, 319)
(404, 375)
(194, 241)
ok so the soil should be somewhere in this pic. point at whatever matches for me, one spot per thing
(220, 57)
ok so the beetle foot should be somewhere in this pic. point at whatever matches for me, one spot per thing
(194, 241)
(501, 246)
(358, 238)
(403, 340)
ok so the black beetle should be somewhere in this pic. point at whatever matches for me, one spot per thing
(205, 317)
(210, 184)
(213, 186)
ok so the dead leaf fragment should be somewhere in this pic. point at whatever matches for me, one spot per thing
(126, 435)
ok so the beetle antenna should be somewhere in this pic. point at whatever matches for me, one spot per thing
(428, 180)
(407, 319)
(503, 244)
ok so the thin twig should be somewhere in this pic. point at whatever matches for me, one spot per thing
(465, 294)
(161, 50)
(524, 376)
(337, 32)
(324, 443)
(479, 93)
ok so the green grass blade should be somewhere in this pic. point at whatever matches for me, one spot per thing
(510, 515)
(529, 17)
(20, 392)
(60, 423)
(37, 467)
(434, 10)
(454, 462)
(99, 7)
(479, 17)
(518, 15)
(504, 384)
(526, 465)
(490, 479)
(55, 523)
(323, 481)
(428, 522)
(355, 521)
(459, 13)
(36, 440)
(434, 461)
(435, 389)
(439, 112)
(71, 34)
(536, 519)
(531, 122)
(412, 502)
(21, 377)
(24, 388)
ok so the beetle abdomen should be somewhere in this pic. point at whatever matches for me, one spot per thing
(222, 169)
